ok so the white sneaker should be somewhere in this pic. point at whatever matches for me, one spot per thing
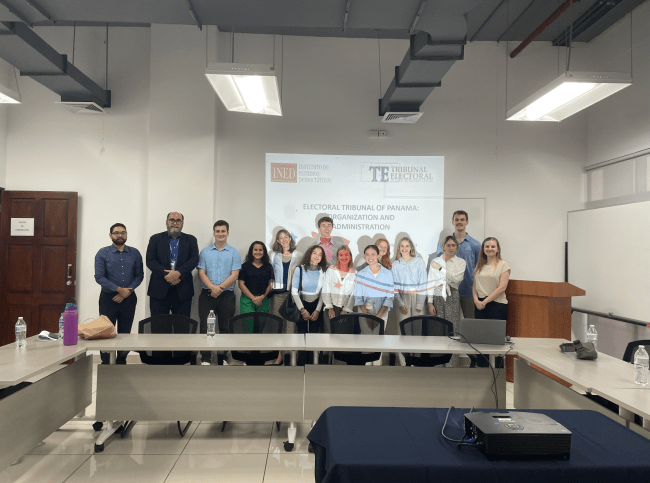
(225, 363)
(205, 363)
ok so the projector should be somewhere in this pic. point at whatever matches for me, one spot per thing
(518, 435)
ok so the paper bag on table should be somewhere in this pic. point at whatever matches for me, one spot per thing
(100, 328)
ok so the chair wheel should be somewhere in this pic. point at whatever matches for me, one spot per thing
(288, 446)
(99, 448)
(310, 448)
(98, 425)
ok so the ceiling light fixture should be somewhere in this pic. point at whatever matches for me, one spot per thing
(570, 93)
(246, 87)
(7, 96)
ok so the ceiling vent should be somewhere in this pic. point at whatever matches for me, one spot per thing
(83, 107)
(402, 117)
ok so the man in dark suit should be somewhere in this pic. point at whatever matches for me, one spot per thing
(171, 257)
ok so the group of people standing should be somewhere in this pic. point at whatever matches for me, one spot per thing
(462, 275)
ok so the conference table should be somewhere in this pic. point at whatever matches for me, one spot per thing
(376, 445)
(280, 393)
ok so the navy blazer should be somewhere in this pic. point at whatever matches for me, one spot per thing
(159, 260)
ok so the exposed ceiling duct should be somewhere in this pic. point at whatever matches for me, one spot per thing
(35, 58)
(439, 42)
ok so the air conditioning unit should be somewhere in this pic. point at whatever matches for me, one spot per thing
(83, 107)
(402, 117)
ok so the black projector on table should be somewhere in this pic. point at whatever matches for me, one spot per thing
(518, 435)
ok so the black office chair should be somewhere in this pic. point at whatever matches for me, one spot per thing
(357, 323)
(166, 324)
(255, 323)
(628, 356)
(426, 325)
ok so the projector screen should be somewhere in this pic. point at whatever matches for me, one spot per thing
(609, 257)
(367, 196)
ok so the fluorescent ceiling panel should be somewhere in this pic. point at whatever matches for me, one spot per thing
(246, 87)
(7, 96)
(568, 94)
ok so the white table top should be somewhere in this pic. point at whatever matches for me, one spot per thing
(606, 371)
(17, 365)
(399, 343)
(196, 342)
(635, 399)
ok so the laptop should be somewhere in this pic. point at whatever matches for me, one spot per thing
(483, 331)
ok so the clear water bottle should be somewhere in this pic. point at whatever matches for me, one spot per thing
(21, 333)
(61, 327)
(592, 336)
(641, 366)
(212, 322)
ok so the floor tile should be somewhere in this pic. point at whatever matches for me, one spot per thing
(151, 438)
(50, 468)
(121, 469)
(300, 445)
(222, 468)
(289, 468)
(68, 441)
(237, 438)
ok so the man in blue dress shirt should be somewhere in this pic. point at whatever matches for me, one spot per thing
(171, 257)
(119, 271)
(468, 250)
(219, 266)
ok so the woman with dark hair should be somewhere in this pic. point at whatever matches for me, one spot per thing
(491, 278)
(307, 295)
(384, 255)
(255, 279)
(374, 289)
(338, 286)
(445, 275)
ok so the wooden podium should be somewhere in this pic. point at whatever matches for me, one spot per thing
(539, 309)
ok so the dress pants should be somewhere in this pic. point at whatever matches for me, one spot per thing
(496, 311)
(224, 309)
(468, 307)
(171, 303)
(121, 315)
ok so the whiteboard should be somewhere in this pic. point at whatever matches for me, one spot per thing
(609, 257)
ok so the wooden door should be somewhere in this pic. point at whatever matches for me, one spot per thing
(37, 276)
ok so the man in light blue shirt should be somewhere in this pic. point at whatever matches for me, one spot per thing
(219, 266)
(468, 250)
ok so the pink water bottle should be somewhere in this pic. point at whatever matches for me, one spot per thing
(70, 325)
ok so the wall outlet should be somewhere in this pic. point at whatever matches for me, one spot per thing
(378, 134)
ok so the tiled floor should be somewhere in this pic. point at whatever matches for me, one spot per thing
(155, 453)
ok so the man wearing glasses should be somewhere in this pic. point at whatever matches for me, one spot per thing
(119, 271)
(171, 257)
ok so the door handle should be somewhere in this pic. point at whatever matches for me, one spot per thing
(69, 267)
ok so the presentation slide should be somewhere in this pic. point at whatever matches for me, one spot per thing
(367, 197)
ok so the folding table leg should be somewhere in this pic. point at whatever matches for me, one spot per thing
(111, 426)
(292, 430)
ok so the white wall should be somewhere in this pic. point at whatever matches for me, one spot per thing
(153, 153)
(8, 80)
(530, 174)
(620, 124)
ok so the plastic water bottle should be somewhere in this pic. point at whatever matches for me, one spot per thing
(21, 333)
(641, 366)
(212, 319)
(61, 327)
(592, 336)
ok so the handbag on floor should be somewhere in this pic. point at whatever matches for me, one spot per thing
(289, 310)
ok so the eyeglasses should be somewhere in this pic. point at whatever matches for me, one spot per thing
(172, 220)
(118, 233)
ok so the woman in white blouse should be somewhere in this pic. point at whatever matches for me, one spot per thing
(338, 286)
(445, 274)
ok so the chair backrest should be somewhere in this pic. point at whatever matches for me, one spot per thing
(631, 349)
(427, 325)
(256, 323)
(357, 323)
(167, 324)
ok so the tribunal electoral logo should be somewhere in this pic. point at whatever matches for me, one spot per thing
(284, 173)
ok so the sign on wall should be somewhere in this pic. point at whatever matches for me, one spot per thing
(367, 196)
(22, 227)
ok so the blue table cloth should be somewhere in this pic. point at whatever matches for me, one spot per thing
(375, 445)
